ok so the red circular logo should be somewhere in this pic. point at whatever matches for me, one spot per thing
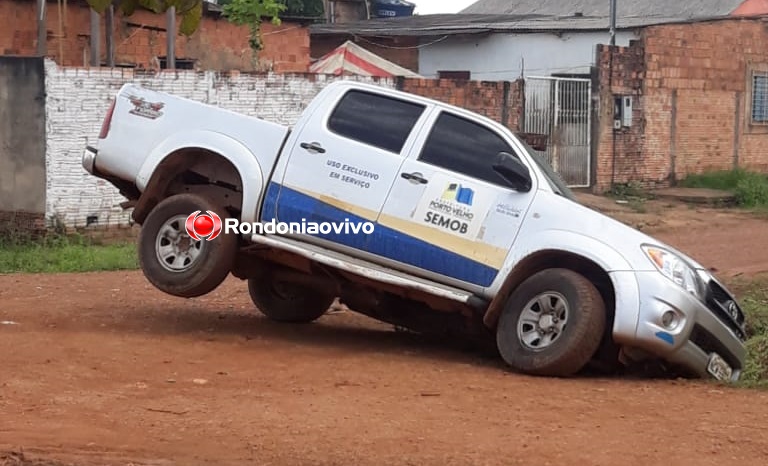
(206, 225)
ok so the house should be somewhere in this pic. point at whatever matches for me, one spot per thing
(635, 112)
(140, 40)
(502, 40)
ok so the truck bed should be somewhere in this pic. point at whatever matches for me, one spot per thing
(147, 122)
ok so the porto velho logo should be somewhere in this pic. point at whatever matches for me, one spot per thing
(203, 226)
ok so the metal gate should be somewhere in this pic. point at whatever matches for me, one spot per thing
(561, 109)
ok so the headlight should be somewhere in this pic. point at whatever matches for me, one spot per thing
(676, 269)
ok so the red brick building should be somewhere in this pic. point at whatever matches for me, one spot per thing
(140, 39)
(700, 94)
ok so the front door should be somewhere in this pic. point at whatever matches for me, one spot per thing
(343, 164)
(456, 218)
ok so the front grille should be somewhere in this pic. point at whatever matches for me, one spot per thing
(709, 344)
(725, 307)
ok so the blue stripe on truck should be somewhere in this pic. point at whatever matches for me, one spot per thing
(385, 242)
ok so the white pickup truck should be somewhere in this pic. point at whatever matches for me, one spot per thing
(464, 229)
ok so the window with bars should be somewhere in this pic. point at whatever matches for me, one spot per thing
(760, 98)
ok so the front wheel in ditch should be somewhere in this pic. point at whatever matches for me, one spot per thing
(174, 262)
(552, 324)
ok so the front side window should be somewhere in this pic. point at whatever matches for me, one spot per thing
(374, 119)
(464, 146)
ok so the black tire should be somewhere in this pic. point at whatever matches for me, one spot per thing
(191, 277)
(288, 302)
(569, 338)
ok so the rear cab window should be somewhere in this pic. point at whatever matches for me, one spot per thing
(376, 120)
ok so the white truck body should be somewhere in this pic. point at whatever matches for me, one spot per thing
(444, 226)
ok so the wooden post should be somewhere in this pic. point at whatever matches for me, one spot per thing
(42, 30)
(95, 38)
(109, 21)
(170, 57)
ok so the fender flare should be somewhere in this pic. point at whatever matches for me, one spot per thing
(244, 161)
(616, 266)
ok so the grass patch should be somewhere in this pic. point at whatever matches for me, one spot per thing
(749, 188)
(60, 254)
(630, 194)
(754, 300)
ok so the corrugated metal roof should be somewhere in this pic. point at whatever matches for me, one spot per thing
(445, 24)
(625, 8)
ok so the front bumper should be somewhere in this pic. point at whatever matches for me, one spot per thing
(700, 330)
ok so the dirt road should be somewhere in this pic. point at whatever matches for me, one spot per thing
(102, 369)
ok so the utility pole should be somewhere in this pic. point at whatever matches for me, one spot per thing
(613, 23)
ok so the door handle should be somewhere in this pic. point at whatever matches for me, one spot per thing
(313, 147)
(415, 178)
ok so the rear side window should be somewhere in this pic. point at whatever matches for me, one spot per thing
(374, 119)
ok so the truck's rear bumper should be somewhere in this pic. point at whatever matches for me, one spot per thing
(127, 188)
(89, 159)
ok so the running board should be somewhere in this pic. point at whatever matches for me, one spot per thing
(368, 270)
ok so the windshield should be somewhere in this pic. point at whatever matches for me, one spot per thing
(554, 180)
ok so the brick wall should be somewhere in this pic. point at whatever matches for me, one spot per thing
(498, 100)
(139, 38)
(620, 73)
(692, 102)
(18, 225)
(77, 99)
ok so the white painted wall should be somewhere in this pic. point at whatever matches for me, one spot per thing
(506, 57)
(77, 100)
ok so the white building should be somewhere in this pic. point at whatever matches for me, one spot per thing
(498, 40)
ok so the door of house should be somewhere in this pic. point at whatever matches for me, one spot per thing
(561, 109)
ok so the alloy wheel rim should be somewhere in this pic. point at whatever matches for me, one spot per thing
(543, 321)
(176, 250)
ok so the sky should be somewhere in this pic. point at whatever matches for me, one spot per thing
(428, 7)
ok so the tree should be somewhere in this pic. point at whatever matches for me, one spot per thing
(304, 8)
(189, 11)
(251, 13)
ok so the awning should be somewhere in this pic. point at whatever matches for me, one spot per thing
(351, 59)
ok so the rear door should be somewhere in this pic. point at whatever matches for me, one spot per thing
(344, 162)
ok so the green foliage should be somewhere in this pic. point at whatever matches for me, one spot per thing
(756, 367)
(754, 301)
(189, 12)
(753, 297)
(295, 8)
(307, 8)
(627, 190)
(62, 253)
(752, 191)
(190, 21)
(250, 13)
(725, 180)
(749, 188)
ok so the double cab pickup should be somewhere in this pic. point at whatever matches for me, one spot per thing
(412, 211)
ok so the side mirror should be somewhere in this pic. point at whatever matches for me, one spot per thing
(513, 171)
